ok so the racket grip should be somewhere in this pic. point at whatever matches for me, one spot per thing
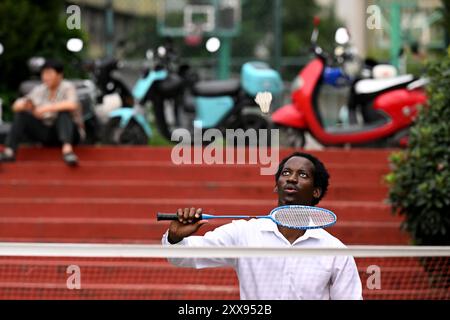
(166, 216)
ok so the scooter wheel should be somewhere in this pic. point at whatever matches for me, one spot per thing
(291, 137)
(253, 120)
(132, 134)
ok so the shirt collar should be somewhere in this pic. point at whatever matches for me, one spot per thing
(58, 90)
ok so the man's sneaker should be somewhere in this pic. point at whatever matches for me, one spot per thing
(70, 159)
(4, 157)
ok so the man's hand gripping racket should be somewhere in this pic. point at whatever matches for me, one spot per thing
(184, 223)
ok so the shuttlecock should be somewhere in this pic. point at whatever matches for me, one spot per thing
(263, 99)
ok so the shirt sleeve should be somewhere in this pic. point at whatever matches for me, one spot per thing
(345, 281)
(70, 93)
(223, 236)
(36, 95)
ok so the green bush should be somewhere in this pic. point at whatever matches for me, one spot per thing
(420, 180)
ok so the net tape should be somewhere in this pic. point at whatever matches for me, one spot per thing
(159, 251)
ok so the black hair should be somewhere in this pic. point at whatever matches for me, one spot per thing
(321, 175)
(53, 64)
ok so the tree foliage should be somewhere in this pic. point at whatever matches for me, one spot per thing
(446, 20)
(420, 181)
(27, 29)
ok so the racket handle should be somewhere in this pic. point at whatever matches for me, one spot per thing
(172, 216)
(166, 216)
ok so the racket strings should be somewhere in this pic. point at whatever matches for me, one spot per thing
(300, 217)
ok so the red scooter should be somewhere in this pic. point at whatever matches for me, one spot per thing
(388, 108)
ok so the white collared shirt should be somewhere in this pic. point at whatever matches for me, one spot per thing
(287, 278)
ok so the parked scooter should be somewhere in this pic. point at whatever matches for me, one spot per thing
(122, 118)
(355, 67)
(345, 68)
(180, 100)
(388, 108)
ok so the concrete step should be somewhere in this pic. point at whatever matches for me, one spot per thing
(44, 291)
(108, 278)
(397, 274)
(50, 291)
(123, 153)
(30, 188)
(151, 171)
(137, 230)
(412, 294)
(93, 208)
(103, 271)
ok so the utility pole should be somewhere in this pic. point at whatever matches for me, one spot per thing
(278, 33)
(224, 57)
(396, 33)
(109, 19)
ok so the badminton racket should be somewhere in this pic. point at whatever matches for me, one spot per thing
(293, 216)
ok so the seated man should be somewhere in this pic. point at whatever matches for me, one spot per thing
(49, 114)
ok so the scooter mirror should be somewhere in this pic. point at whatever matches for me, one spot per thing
(2, 49)
(342, 37)
(74, 45)
(316, 21)
(162, 51)
(35, 64)
(339, 51)
(149, 54)
(315, 33)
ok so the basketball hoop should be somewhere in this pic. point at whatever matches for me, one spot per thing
(193, 40)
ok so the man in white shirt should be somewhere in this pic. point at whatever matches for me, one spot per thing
(301, 179)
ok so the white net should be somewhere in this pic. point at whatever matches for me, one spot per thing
(90, 271)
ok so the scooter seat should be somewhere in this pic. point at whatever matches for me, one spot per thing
(370, 86)
(217, 88)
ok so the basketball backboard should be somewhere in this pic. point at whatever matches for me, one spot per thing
(181, 18)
